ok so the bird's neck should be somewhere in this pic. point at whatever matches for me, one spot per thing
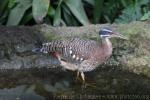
(107, 46)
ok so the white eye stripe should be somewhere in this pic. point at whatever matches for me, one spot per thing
(104, 35)
(106, 30)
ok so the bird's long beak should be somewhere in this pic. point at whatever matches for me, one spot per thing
(119, 36)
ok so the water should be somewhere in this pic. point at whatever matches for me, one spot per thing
(45, 84)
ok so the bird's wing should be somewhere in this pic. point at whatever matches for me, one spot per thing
(72, 50)
(78, 50)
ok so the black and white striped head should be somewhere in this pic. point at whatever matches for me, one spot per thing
(105, 32)
(108, 33)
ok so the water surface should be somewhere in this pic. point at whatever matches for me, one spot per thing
(44, 84)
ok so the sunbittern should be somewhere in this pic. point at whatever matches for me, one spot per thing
(79, 54)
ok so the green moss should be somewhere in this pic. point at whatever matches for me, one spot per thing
(51, 36)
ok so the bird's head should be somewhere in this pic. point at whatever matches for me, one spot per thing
(109, 33)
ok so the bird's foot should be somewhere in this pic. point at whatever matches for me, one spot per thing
(82, 80)
(78, 77)
(88, 85)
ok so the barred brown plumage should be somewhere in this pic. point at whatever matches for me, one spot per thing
(73, 50)
(81, 54)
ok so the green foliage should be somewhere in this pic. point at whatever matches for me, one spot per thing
(57, 15)
(72, 12)
(146, 16)
(133, 11)
(40, 9)
(18, 11)
(97, 13)
(3, 11)
(76, 7)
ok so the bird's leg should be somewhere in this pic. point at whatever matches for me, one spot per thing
(83, 78)
(85, 84)
(77, 77)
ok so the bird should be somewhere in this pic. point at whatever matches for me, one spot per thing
(81, 55)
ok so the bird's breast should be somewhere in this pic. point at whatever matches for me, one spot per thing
(101, 54)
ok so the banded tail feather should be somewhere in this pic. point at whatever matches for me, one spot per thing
(55, 46)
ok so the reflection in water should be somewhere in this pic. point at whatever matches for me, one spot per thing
(44, 84)
(19, 92)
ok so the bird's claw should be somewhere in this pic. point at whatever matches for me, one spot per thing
(87, 84)
(82, 80)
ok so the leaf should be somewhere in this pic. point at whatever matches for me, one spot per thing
(57, 16)
(40, 9)
(3, 6)
(98, 10)
(12, 3)
(26, 18)
(146, 16)
(69, 19)
(132, 12)
(78, 11)
(109, 11)
(143, 2)
(51, 11)
(92, 2)
(18, 11)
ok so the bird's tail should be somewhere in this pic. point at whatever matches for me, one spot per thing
(49, 47)
(37, 50)
(44, 49)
